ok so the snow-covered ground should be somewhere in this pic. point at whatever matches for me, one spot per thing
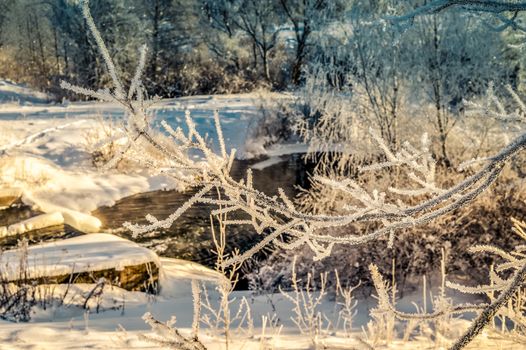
(237, 112)
(71, 327)
(120, 324)
(17, 94)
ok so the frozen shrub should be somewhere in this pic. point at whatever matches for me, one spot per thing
(273, 124)
(17, 298)
(101, 142)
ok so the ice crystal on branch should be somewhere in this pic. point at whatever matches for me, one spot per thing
(494, 108)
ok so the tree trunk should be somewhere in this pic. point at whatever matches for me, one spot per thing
(57, 56)
(298, 63)
(436, 76)
(155, 42)
(264, 58)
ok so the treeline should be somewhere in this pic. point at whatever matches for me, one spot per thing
(221, 46)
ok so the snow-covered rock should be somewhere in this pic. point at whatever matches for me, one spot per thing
(95, 252)
(9, 195)
(34, 223)
(80, 221)
(55, 214)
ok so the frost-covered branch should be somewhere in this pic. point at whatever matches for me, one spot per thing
(496, 7)
(168, 336)
(387, 306)
(494, 108)
(507, 288)
(307, 316)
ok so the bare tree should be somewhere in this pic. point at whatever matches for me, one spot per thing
(169, 29)
(451, 68)
(219, 16)
(305, 15)
(258, 20)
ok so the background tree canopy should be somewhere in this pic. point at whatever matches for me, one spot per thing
(220, 46)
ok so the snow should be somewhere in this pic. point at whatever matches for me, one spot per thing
(79, 189)
(57, 215)
(256, 149)
(236, 112)
(46, 151)
(73, 328)
(80, 221)
(93, 252)
(286, 148)
(266, 163)
(19, 94)
(274, 153)
(34, 223)
(177, 273)
(67, 327)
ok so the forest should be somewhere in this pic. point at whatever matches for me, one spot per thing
(205, 47)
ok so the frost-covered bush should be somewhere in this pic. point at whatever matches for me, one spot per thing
(203, 75)
(505, 290)
(416, 251)
(17, 298)
(334, 131)
(101, 141)
(307, 301)
(330, 119)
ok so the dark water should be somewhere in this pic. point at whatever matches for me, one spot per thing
(190, 236)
